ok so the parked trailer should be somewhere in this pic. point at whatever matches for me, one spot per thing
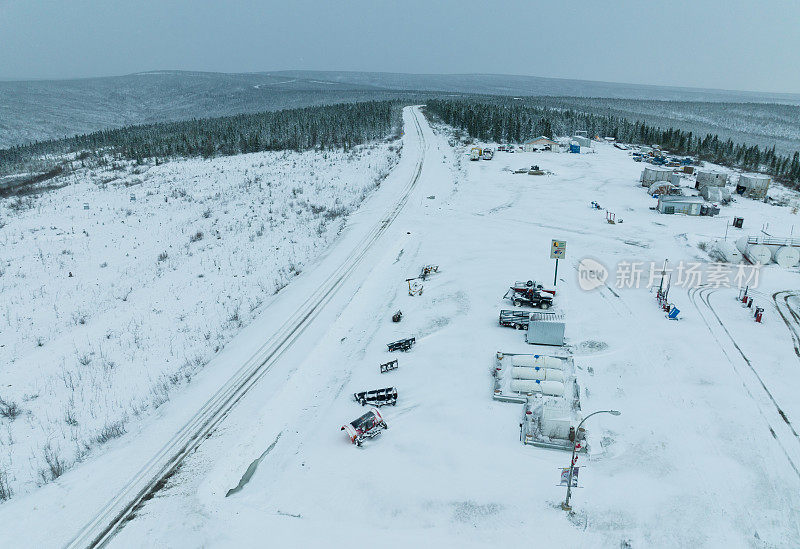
(367, 426)
(515, 319)
(377, 397)
(389, 366)
(401, 344)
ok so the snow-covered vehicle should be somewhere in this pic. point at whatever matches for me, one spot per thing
(367, 426)
(519, 285)
(532, 296)
(488, 154)
(475, 154)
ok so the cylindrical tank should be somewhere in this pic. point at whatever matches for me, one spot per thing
(522, 372)
(741, 244)
(549, 374)
(554, 375)
(549, 362)
(551, 388)
(651, 174)
(541, 361)
(728, 251)
(711, 179)
(758, 253)
(787, 256)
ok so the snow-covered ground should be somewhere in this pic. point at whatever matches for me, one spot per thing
(108, 310)
(700, 456)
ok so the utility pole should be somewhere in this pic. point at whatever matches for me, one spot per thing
(566, 506)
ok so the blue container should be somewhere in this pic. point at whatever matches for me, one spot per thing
(574, 148)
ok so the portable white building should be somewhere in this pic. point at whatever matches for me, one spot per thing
(583, 141)
(712, 179)
(715, 194)
(540, 144)
(651, 174)
(671, 204)
(753, 185)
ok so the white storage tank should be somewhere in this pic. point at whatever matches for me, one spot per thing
(541, 361)
(711, 179)
(741, 244)
(727, 251)
(522, 372)
(549, 374)
(758, 253)
(551, 388)
(786, 256)
(651, 174)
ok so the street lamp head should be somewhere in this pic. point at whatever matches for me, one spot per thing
(614, 412)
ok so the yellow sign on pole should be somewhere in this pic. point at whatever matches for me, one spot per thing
(558, 250)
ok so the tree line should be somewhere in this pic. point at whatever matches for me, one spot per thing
(506, 120)
(330, 126)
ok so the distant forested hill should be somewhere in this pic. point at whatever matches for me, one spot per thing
(41, 110)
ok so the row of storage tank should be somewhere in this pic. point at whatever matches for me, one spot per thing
(758, 251)
(536, 374)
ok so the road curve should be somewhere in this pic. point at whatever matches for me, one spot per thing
(154, 474)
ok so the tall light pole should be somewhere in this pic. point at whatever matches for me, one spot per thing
(565, 506)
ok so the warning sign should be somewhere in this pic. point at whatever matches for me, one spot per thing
(558, 250)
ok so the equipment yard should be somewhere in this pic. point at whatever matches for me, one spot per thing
(705, 452)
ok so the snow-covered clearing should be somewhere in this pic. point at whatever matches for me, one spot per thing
(106, 311)
(700, 456)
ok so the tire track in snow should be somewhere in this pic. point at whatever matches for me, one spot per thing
(703, 294)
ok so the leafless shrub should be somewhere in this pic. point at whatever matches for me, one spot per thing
(110, 431)
(69, 416)
(335, 213)
(162, 256)
(21, 203)
(79, 317)
(9, 410)
(84, 359)
(55, 465)
(5, 488)
(207, 213)
(703, 245)
(196, 236)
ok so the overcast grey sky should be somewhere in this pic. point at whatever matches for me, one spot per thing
(732, 44)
